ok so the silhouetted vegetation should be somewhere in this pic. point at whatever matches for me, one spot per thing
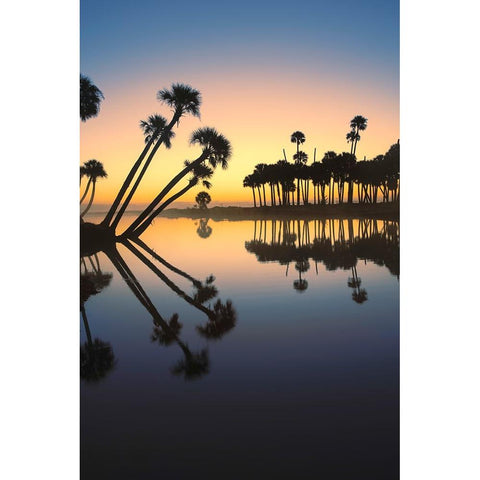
(204, 230)
(333, 243)
(203, 199)
(90, 99)
(92, 169)
(329, 179)
(97, 357)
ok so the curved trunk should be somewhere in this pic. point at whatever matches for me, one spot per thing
(163, 193)
(111, 212)
(143, 226)
(254, 202)
(166, 280)
(86, 190)
(91, 199)
(165, 263)
(124, 206)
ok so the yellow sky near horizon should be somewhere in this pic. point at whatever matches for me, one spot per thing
(257, 121)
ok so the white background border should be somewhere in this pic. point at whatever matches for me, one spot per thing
(440, 129)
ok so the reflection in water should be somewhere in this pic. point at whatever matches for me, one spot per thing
(338, 244)
(308, 376)
(97, 357)
(204, 230)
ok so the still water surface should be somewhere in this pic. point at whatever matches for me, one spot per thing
(297, 377)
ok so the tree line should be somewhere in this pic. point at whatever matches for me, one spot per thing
(331, 180)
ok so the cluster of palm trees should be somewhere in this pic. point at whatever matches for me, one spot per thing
(336, 175)
(92, 169)
(216, 151)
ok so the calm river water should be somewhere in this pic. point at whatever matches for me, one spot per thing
(242, 350)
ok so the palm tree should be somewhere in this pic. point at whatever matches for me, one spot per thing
(152, 129)
(216, 149)
(183, 100)
(298, 138)
(249, 183)
(90, 99)
(93, 169)
(358, 123)
(203, 199)
(352, 137)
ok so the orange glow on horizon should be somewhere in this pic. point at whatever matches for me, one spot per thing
(257, 118)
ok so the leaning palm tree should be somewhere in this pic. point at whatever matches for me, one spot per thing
(183, 100)
(152, 128)
(216, 149)
(200, 173)
(357, 124)
(90, 99)
(93, 169)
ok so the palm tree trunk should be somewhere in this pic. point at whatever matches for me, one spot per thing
(254, 202)
(163, 193)
(91, 199)
(85, 324)
(111, 212)
(165, 132)
(86, 190)
(165, 263)
(350, 191)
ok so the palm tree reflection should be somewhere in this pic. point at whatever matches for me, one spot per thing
(96, 356)
(334, 243)
(221, 316)
(204, 230)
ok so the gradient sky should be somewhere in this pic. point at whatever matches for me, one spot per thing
(265, 69)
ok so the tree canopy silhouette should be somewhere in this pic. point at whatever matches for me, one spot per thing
(90, 98)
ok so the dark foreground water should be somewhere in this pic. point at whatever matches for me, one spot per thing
(243, 350)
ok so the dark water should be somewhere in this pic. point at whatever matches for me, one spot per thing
(297, 377)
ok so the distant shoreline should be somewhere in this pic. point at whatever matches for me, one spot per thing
(379, 211)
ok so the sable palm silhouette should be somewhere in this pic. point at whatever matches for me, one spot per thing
(183, 100)
(298, 138)
(90, 99)
(359, 295)
(96, 356)
(203, 199)
(193, 365)
(357, 124)
(249, 183)
(216, 149)
(205, 291)
(204, 230)
(166, 336)
(154, 129)
(352, 138)
(93, 169)
(224, 320)
(302, 266)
